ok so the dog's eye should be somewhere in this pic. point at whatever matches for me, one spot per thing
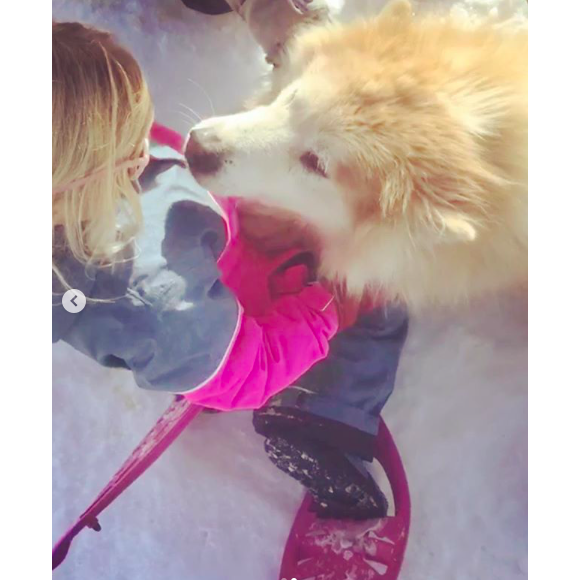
(312, 162)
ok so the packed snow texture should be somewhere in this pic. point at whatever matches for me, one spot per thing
(213, 507)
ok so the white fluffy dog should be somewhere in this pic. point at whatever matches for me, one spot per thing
(402, 142)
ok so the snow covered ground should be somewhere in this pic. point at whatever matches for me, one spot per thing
(213, 507)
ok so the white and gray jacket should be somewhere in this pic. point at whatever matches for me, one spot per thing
(162, 312)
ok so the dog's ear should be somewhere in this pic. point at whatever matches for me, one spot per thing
(400, 9)
(396, 190)
(401, 194)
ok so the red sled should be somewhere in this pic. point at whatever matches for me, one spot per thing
(345, 550)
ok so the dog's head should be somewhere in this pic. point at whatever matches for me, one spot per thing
(362, 125)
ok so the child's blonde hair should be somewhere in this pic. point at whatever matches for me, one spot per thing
(101, 115)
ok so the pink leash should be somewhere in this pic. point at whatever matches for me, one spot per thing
(160, 437)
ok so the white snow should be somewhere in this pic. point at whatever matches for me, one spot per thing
(213, 507)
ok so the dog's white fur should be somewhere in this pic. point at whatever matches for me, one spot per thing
(419, 126)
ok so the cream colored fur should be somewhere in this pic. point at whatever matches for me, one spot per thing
(403, 142)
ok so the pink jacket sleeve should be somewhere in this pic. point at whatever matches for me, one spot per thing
(269, 353)
(276, 341)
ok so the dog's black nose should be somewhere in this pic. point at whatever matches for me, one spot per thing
(199, 159)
